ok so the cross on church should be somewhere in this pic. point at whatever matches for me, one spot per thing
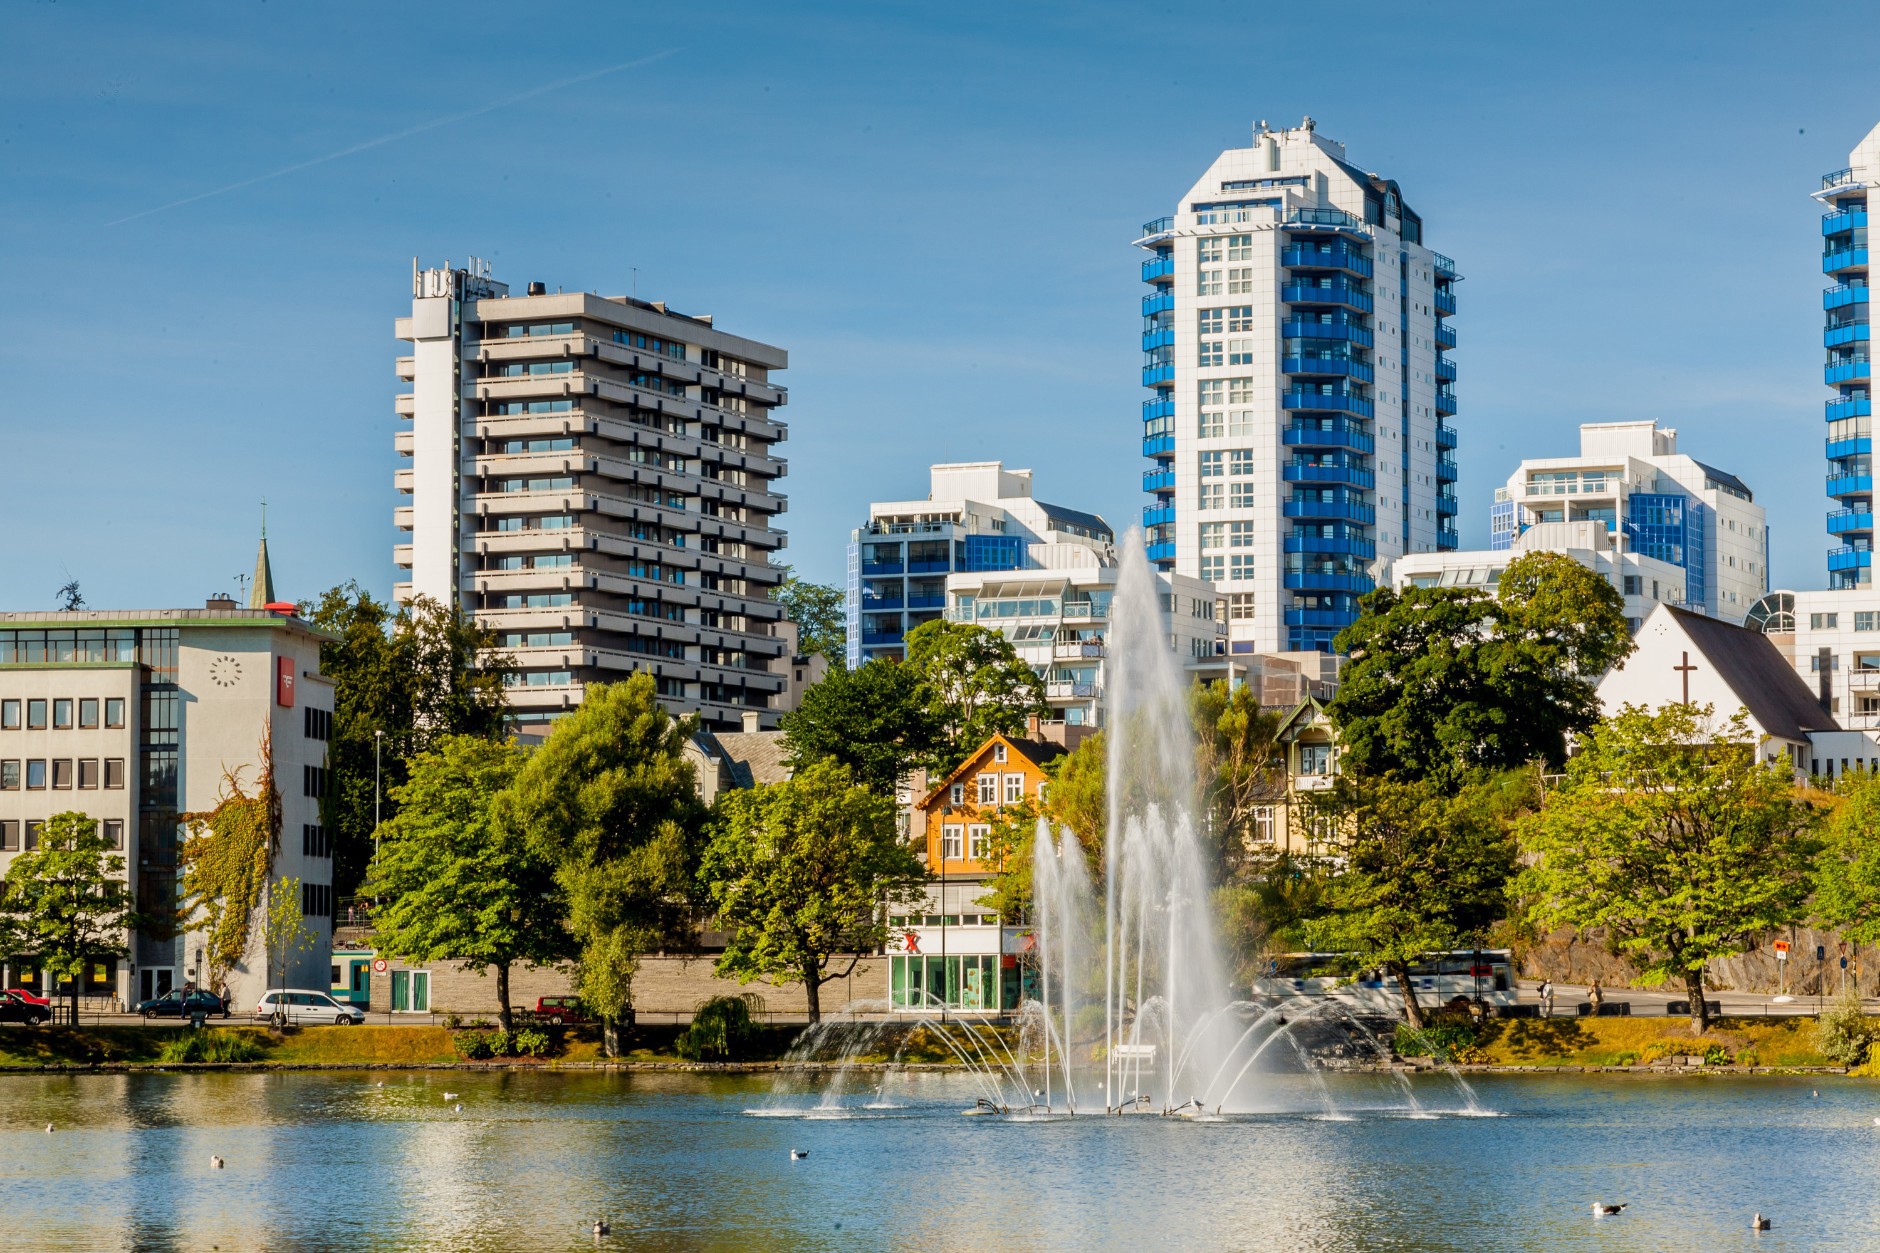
(1684, 672)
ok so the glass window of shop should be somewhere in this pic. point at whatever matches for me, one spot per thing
(970, 982)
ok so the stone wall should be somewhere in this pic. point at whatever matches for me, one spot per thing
(1567, 958)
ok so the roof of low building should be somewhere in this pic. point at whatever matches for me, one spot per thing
(753, 757)
(1038, 752)
(1757, 672)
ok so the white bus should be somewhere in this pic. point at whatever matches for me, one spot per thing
(1485, 974)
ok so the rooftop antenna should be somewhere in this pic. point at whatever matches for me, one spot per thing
(264, 517)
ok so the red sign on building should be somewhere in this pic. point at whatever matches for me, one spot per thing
(284, 682)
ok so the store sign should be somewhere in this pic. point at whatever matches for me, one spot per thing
(284, 682)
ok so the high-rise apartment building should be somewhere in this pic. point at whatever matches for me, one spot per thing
(594, 478)
(1295, 337)
(1847, 369)
(1655, 502)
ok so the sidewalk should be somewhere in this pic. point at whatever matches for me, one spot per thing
(1653, 1000)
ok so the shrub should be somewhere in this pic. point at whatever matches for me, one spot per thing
(210, 1046)
(476, 1046)
(452, 1021)
(1443, 1040)
(1844, 1033)
(529, 1042)
(721, 1029)
(1716, 1055)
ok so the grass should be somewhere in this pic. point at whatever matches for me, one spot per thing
(364, 1046)
(1635, 1041)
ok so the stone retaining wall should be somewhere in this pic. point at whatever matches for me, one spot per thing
(1567, 958)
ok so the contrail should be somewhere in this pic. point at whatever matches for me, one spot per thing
(404, 134)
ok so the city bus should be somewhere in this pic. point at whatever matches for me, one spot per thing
(1487, 975)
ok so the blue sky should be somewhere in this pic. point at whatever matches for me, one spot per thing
(930, 207)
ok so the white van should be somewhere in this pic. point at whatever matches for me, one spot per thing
(301, 1007)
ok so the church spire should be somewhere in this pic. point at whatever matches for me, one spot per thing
(261, 589)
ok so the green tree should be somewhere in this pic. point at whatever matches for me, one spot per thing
(284, 930)
(974, 684)
(66, 901)
(451, 884)
(873, 719)
(610, 798)
(417, 674)
(1239, 762)
(803, 872)
(1847, 874)
(1444, 682)
(1078, 796)
(1673, 839)
(821, 615)
(1423, 870)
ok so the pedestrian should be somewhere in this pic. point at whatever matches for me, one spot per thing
(1547, 998)
(1596, 997)
(222, 994)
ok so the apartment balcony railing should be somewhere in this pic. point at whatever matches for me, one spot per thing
(1323, 217)
(1445, 436)
(1445, 469)
(1161, 550)
(1336, 293)
(1331, 510)
(1362, 549)
(1072, 691)
(1854, 406)
(1335, 433)
(1158, 446)
(1445, 402)
(1445, 335)
(1324, 365)
(1341, 326)
(1843, 259)
(1159, 479)
(1844, 294)
(1330, 619)
(1160, 337)
(1841, 220)
(1854, 447)
(1846, 369)
(1339, 401)
(1157, 515)
(927, 602)
(1445, 303)
(877, 639)
(1849, 558)
(1846, 333)
(1445, 369)
(1842, 521)
(1850, 484)
(1836, 178)
(1444, 266)
(1160, 407)
(1158, 375)
(1158, 270)
(1077, 650)
(1318, 472)
(1161, 226)
(1161, 300)
(870, 568)
(1314, 581)
(1339, 256)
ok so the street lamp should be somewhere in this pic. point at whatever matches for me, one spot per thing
(378, 743)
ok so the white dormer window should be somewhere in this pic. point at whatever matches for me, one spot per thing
(998, 752)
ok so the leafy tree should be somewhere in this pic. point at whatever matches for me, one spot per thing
(974, 684)
(417, 673)
(1012, 832)
(67, 901)
(802, 871)
(820, 612)
(452, 885)
(1847, 875)
(284, 929)
(1444, 682)
(1078, 795)
(610, 799)
(1671, 837)
(873, 719)
(1238, 760)
(1424, 870)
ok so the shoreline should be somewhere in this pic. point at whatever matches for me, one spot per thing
(758, 1068)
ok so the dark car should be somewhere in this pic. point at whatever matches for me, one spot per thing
(556, 1010)
(175, 1004)
(13, 1009)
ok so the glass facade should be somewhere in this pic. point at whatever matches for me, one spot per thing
(971, 982)
(1671, 528)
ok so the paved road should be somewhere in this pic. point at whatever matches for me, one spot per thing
(1652, 1000)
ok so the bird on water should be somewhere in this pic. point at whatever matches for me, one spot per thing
(1605, 1210)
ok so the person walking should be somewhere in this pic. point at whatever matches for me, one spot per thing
(1596, 997)
(1547, 998)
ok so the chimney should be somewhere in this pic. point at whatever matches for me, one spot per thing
(1031, 726)
(538, 289)
(750, 721)
(1824, 679)
(219, 601)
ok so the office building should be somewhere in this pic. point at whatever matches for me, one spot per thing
(1655, 502)
(978, 518)
(1847, 368)
(1295, 337)
(135, 718)
(594, 479)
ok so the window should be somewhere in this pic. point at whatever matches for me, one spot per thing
(411, 991)
(1260, 830)
(88, 714)
(1315, 759)
(113, 829)
(1242, 495)
(319, 723)
(1631, 584)
(950, 841)
(1208, 283)
(36, 713)
(9, 776)
(62, 715)
(88, 772)
(1210, 248)
(1210, 321)
(1240, 606)
(988, 789)
(1864, 620)
(1240, 282)
(1240, 566)
(1043, 787)
(976, 837)
(1212, 496)
(1213, 465)
(114, 711)
(1213, 535)
(314, 841)
(1823, 621)
(1240, 247)
(316, 900)
(1208, 353)
(9, 715)
(114, 772)
(9, 837)
(1240, 534)
(1213, 569)
(313, 781)
(1240, 461)
(1239, 352)
(1014, 788)
(957, 794)
(62, 773)
(998, 753)
(31, 840)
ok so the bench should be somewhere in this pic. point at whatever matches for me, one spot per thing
(1610, 1009)
(1683, 1008)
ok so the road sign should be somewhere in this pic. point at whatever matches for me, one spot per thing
(378, 965)
(1782, 950)
(1821, 952)
(1844, 963)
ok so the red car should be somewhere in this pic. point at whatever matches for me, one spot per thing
(28, 997)
(556, 1010)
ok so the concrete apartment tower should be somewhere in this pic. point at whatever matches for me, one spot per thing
(1847, 369)
(1295, 338)
(594, 478)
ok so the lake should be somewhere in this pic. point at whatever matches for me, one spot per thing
(331, 1160)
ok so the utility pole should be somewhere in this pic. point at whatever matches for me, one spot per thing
(378, 745)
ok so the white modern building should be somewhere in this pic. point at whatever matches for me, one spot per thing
(1832, 640)
(1847, 368)
(1295, 338)
(1655, 502)
(978, 518)
(1643, 581)
(595, 479)
(135, 718)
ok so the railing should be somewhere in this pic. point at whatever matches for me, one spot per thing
(1446, 335)
(1157, 268)
(1158, 445)
(1327, 363)
(1842, 220)
(1161, 226)
(1153, 409)
(1313, 400)
(1159, 301)
(1321, 217)
(1849, 484)
(1444, 265)
(1326, 294)
(1837, 178)
(1344, 327)
(1842, 520)
(1158, 480)
(1351, 510)
(1081, 650)
(1844, 294)
(1328, 435)
(1445, 302)
(1842, 259)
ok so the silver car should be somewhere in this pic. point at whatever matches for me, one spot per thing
(301, 1007)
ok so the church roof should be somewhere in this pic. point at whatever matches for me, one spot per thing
(1760, 676)
(261, 590)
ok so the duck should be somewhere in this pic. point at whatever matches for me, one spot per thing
(1604, 1210)
(602, 1228)
(797, 1155)
(1758, 1223)
(215, 1162)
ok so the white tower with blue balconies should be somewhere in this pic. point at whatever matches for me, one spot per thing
(1847, 368)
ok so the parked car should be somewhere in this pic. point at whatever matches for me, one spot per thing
(556, 1010)
(13, 1009)
(176, 1004)
(303, 1007)
(31, 998)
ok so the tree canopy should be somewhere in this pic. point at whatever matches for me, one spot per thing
(453, 885)
(974, 684)
(1847, 874)
(67, 900)
(1238, 760)
(820, 613)
(803, 871)
(1670, 836)
(873, 719)
(1444, 682)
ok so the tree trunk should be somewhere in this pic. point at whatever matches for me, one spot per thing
(610, 1036)
(812, 990)
(504, 1016)
(1412, 1012)
(1700, 1012)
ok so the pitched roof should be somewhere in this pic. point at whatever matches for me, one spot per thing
(1757, 672)
(261, 590)
(753, 757)
(1037, 752)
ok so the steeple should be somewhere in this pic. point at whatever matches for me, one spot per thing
(261, 589)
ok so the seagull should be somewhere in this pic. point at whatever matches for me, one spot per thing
(1604, 1210)
(795, 1154)
(49, 1126)
(457, 1108)
(215, 1163)
(450, 1096)
(601, 1228)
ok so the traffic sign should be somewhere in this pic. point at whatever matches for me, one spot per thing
(1821, 952)
(1782, 950)
(378, 965)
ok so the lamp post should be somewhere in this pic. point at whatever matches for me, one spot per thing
(378, 745)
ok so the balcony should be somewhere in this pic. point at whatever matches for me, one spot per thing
(872, 568)
(1157, 515)
(1327, 402)
(1340, 510)
(1161, 226)
(1850, 485)
(927, 602)
(1159, 479)
(1446, 503)
(1324, 217)
(1855, 406)
(1843, 259)
(1336, 433)
(1313, 581)
(1445, 469)
(1158, 375)
(1158, 270)
(1159, 301)
(1841, 521)
(1839, 448)
(1846, 333)
(1077, 650)
(1162, 551)
(1153, 409)
(1842, 220)
(1342, 326)
(1445, 369)
(1444, 266)
(1445, 335)
(1843, 294)
(1445, 402)
(1445, 436)
(1320, 472)
(880, 639)
(1072, 691)
(1325, 366)
(1339, 256)
(1363, 549)
(1335, 293)
(1327, 619)
(1445, 303)
(1160, 337)
(1849, 558)
(1848, 369)
(1836, 179)
(1158, 446)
